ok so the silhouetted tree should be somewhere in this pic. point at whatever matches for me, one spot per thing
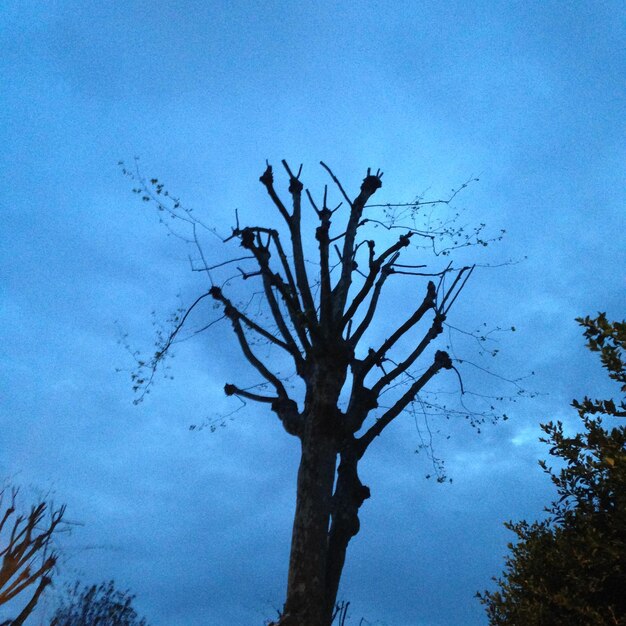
(571, 568)
(27, 560)
(97, 605)
(319, 316)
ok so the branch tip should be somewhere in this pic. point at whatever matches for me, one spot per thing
(442, 360)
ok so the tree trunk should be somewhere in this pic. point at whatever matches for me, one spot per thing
(349, 495)
(306, 588)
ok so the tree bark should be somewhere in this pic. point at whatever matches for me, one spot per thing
(306, 586)
(350, 493)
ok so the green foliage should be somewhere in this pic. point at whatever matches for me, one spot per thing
(609, 339)
(571, 568)
(97, 605)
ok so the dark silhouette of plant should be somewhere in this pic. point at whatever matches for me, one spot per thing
(97, 605)
(27, 560)
(317, 320)
(571, 567)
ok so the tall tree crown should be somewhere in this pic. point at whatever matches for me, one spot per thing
(319, 312)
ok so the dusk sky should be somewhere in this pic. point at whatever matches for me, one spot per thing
(529, 97)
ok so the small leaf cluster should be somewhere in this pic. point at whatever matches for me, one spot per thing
(609, 339)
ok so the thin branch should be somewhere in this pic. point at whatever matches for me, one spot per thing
(181, 323)
(371, 183)
(254, 360)
(419, 203)
(233, 390)
(267, 178)
(337, 182)
(213, 267)
(375, 266)
(273, 280)
(427, 303)
(304, 288)
(442, 306)
(232, 312)
(285, 408)
(442, 361)
(385, 272)
(433, 332)
(283, 258)
(44, 581)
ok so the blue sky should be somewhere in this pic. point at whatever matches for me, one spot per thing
(527, 96)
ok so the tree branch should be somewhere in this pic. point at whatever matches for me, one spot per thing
(273, 280)
(442, 308)
(252, 359)
(28, 609)
(25, 540)
(375, 266)
(371, 183)
(232, 312)
(433, 331)
(322, 234)
(427, 304)
(285, 408)
(267, 178)
(295, 189)
(442, 361)
(337, 182)
(283, 259)
(385, 271)
(233, 390)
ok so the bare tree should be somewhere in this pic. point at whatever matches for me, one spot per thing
(319, 324)
(27, 560)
